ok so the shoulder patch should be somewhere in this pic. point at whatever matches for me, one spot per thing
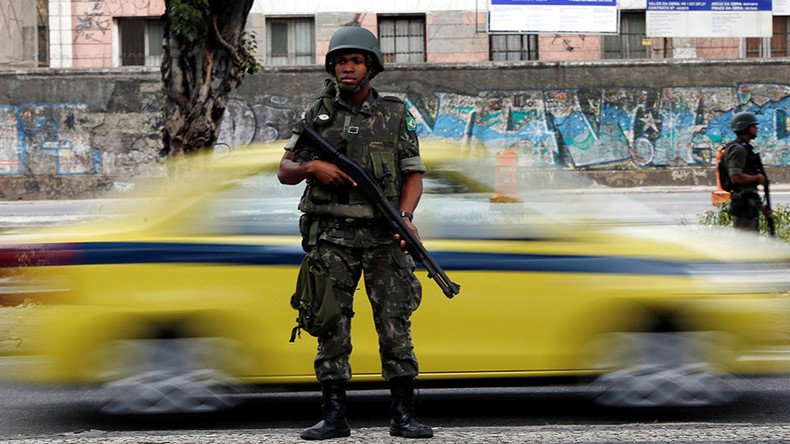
(411, 123)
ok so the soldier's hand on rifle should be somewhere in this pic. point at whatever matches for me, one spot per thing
(330, 174)
(760, 178)
(402, 243)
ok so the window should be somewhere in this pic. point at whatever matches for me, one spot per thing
(42, 13)
(141, 41)
(775, 46)
(627, 44)
(402, 39)
(291, 41)
(509, 47)
(43, 46)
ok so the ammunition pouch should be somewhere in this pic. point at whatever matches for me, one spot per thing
(308, 228)
(386, 172)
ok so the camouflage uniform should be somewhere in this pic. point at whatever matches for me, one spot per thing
(740, 158)
(351, 237)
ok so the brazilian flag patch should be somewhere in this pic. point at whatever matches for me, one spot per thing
(411, 123)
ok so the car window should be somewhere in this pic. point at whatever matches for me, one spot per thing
(261, 205)
(253, 205)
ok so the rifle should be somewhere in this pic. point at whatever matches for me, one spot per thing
(766, 190)
(376, 196)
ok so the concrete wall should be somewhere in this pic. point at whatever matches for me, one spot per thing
(67, 134)
(70, 133)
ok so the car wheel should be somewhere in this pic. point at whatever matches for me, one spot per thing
(662, 369)
(159, 376)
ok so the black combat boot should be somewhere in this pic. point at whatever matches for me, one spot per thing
(334, 424)
(404, 423)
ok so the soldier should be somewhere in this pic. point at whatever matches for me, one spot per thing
(743, 166)
(349, 235)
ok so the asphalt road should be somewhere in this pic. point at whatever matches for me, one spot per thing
(531, 414)
(534, 414)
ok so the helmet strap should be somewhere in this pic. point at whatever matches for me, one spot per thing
(348, 89)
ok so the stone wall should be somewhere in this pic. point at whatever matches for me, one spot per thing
(76, 133)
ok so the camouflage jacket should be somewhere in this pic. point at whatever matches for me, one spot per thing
(380, 135)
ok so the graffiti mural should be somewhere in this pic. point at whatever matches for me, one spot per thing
(91, 22)
(46, 139)
(260, 120)
(580, 128)
(11, 148)
(624, 128)
(630, 128)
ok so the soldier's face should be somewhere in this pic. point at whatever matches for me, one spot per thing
(753, 131)
(350, 68)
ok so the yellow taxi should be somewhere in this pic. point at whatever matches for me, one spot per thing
(182, 301)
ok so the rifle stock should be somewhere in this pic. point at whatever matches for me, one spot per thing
(374, 193)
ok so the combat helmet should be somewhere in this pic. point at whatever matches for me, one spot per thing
(354, 38)
(742, 121)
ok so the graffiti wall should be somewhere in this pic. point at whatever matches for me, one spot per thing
(83, 127)
(673, 126)
(46, 139)
(577, 129)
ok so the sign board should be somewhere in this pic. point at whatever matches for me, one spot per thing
(709, 18)
(555, 16)
(781, 7)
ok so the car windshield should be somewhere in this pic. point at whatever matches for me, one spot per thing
(461, 199)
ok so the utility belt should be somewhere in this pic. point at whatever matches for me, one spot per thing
(312, 226)
(352, 222)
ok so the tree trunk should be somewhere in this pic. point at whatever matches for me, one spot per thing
(199, 69)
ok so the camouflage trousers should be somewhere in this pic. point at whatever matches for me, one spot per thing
(394, 293)
(745, 211)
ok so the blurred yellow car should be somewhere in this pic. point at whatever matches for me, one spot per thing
(184, 300)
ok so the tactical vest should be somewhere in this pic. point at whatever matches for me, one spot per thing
(752, 166)
(370, 137)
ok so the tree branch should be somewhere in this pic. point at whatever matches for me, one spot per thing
(233, 52)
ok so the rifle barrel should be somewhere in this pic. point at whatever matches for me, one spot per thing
(767, 191)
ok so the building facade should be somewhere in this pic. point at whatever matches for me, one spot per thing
(110, 33)
(19, 33)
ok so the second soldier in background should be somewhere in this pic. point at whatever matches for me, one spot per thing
(744, 169)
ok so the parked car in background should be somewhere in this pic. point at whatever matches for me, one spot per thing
(184, 301)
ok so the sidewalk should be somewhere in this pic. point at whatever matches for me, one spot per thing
(628, 433)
